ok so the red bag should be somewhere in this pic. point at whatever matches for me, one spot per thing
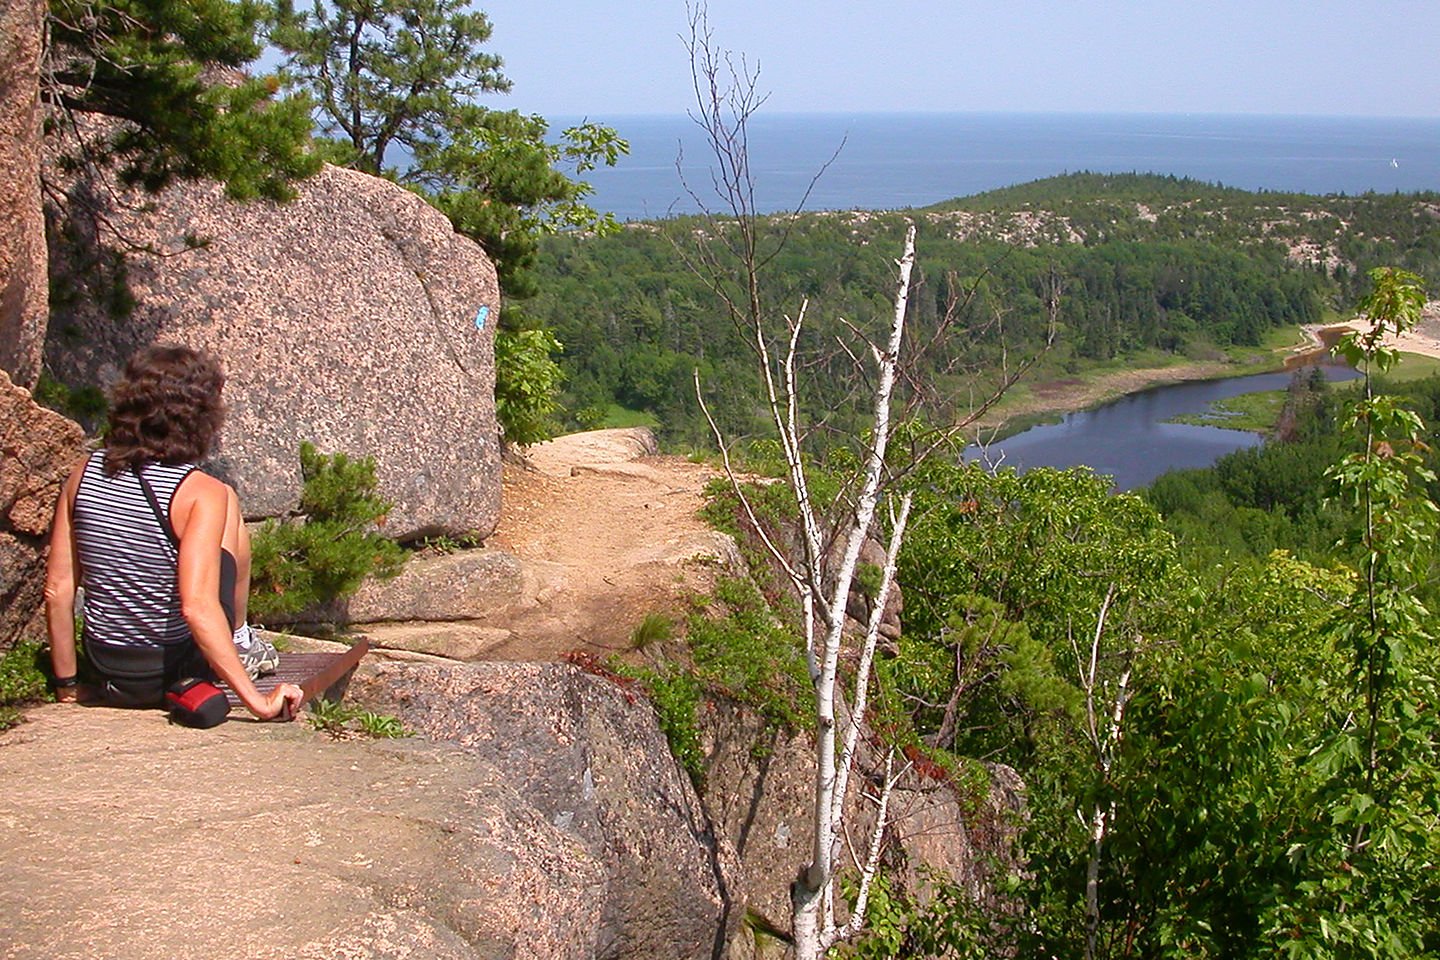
(197, 703)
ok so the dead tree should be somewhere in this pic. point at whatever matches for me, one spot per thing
(730, 257)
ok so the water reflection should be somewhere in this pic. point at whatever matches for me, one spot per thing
(1127, 439)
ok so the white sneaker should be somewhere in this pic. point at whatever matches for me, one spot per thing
(256, 653)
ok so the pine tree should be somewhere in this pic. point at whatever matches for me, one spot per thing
(151, 64)
(396, 83)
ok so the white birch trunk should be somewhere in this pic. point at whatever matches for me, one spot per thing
(812, 926)
(1106, 745)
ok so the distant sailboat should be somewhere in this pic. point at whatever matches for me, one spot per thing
(1395, 163)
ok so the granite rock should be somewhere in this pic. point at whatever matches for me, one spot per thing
(37, 449)
(353, 317)
(564, 456)
(588, 755)
(760, 786)
(481, 584)
(23, 284)
(273, 842)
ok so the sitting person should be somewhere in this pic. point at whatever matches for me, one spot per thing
(159, 547)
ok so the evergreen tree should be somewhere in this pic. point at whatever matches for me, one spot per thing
(398, 77)
(145, 63)
(332, 547)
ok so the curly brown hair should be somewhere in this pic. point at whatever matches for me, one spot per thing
(166, 408)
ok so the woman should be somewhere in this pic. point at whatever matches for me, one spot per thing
(159, 546)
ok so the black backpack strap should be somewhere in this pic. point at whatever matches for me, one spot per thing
(155, 506)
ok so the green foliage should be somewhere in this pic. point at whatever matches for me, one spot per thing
(638, 322)
(384, 72)
(1366, 862)
(23, 674)
(655, 628)
(1210, 273)
(141, 61)
(87, 405)
(676, 696)
(1255, 501)
(443, 544)
(527, 381)
(752, 657)
(740, 652)
(380, 726)
(331, 549)
(939, 922)
(342, 720)
(1002, 573)
(1277, 785)
(387, 74)
(499, 179)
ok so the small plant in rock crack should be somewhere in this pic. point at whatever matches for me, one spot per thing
(343, 722)
(655, 628)
(380, 726)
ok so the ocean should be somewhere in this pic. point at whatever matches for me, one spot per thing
(890, 161)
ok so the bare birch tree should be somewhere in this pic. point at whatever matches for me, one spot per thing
(1104, 735)
(831, 536)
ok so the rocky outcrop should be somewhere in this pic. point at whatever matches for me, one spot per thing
(564, 456)
(537, 814)
(272, 842)
(353, 317)
(861, 601)
(760, 786)
(37, 449)
(587, 755)
(478, 584)
(23, 282)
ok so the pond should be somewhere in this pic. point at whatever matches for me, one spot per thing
(1129, 439)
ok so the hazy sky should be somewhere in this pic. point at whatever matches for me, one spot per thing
(1365, 57)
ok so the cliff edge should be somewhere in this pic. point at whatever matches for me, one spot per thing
(551, 823)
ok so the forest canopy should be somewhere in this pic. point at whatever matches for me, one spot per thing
(1145, 265)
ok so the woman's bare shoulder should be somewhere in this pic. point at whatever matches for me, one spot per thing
(198, 492)
(200, 485)
(77, 473)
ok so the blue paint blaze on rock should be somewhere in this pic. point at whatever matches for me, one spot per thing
(480, 316)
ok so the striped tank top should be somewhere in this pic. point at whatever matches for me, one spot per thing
(128, 566)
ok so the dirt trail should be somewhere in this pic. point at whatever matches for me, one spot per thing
(608, 537)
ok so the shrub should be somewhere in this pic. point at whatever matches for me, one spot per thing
(527, 381)
(329, 550)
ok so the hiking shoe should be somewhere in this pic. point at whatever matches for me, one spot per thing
(256, 653)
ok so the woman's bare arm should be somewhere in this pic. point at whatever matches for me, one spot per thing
(61, 570)
(198, 515)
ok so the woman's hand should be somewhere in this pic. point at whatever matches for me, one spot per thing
(283, 702)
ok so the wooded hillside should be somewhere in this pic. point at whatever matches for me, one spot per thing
(1144, 265)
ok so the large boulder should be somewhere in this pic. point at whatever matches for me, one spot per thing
(23, 283)
(37, 449)
(483, 584)
(271, 842)
(588, 755)
(575, 452)
(353, 317)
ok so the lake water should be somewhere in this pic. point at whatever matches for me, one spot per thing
(886, 161)
(1129, 440)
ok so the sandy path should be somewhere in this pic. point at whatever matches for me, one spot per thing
(608, 539)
